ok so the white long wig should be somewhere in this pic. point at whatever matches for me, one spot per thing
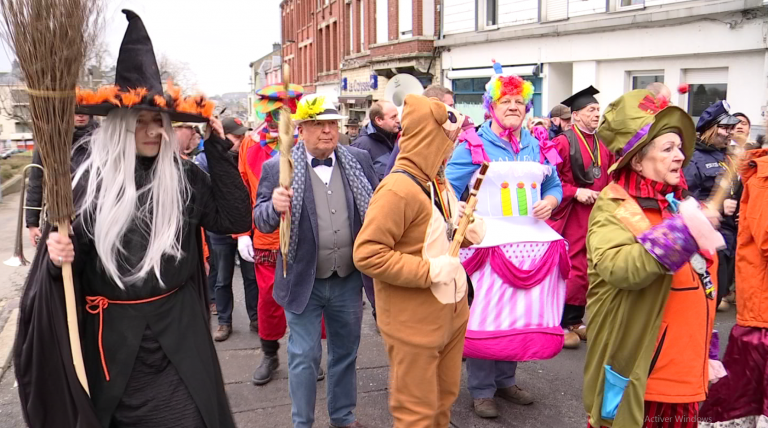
(111, 203)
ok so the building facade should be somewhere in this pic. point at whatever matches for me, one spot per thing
(264, 71)
(15, 119)
(717, 47)
(349, 49)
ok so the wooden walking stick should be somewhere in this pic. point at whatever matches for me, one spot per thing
(285, 140)
(50, 39)
(458, 238)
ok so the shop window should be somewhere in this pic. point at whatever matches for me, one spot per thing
(627, 3)
(642, 80)
(468, 96)
(701, 96)
(358, 114)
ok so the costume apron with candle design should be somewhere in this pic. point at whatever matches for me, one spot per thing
(518, 270)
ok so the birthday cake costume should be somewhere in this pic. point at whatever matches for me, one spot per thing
(519, 269)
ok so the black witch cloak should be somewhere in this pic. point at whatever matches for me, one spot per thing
(50, 393)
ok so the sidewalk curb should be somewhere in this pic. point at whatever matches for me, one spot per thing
(7, 337)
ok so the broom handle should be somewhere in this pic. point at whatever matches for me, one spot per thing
(72, 327)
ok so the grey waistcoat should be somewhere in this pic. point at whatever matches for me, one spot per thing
(334, 247)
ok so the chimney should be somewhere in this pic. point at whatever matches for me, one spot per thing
(276, 47)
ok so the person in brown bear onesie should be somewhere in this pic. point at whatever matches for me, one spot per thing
(421, 291)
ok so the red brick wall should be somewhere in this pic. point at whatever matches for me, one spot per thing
(393, 22)
(417, 17)
(413, 46)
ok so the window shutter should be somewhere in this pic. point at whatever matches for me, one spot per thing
(553, 10)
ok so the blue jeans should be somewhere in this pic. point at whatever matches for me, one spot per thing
(213, 273)
(224, 255)
(484, 377)
(339, 300)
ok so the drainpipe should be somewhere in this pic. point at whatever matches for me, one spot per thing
(442, 7)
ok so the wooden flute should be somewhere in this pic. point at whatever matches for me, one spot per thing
(461, 231)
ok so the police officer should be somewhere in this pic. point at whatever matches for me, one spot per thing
(712, 158)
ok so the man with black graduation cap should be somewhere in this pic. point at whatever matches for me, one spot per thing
(583, 173)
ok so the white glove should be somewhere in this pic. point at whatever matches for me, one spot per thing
(476, 230)
(444, 268)
(245, 247)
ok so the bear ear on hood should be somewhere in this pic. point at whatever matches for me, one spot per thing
(439, 112)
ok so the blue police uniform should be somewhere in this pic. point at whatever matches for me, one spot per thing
(707, 163)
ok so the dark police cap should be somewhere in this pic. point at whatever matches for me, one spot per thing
(581, 99)
(716, 114)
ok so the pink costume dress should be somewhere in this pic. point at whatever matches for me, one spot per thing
(518, 271)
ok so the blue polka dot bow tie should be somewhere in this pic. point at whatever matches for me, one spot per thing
(317, 162)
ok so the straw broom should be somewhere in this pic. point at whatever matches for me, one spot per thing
(285, 137)
(50, 39)
(726, 178)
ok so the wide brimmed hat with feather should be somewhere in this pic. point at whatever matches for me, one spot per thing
(636, 118)
(316, 107)
(138, 85)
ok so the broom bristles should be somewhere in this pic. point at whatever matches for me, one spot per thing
(50, 39)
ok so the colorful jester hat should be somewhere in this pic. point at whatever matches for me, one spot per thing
(270, 100)
(272, 97)
(501, 85)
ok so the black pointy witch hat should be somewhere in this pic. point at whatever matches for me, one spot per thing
(138, 85)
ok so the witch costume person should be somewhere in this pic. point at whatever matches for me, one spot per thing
(137, 261)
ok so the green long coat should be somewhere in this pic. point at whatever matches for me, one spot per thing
(628, 290)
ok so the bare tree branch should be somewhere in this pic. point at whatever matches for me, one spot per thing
(179, 72)
(14, 100)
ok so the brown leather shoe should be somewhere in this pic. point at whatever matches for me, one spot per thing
(515, 395)
(581, 331)
(222, 333)
(254, 326)
(572, 340)
(485, 408)
(354, 424)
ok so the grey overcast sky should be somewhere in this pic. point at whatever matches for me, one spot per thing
(216, 38)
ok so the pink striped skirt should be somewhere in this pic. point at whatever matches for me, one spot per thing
(519, 299)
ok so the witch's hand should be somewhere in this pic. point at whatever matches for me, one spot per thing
(60, 249)
(214, 124)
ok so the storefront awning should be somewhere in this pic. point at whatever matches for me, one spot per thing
(355, 99)
(469, 73)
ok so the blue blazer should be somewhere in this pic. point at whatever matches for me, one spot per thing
(292, 292)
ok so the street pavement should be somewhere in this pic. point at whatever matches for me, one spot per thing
(556, 383)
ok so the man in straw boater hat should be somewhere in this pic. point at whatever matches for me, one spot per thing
(137, 261)
(584, 173)
(328, 199)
